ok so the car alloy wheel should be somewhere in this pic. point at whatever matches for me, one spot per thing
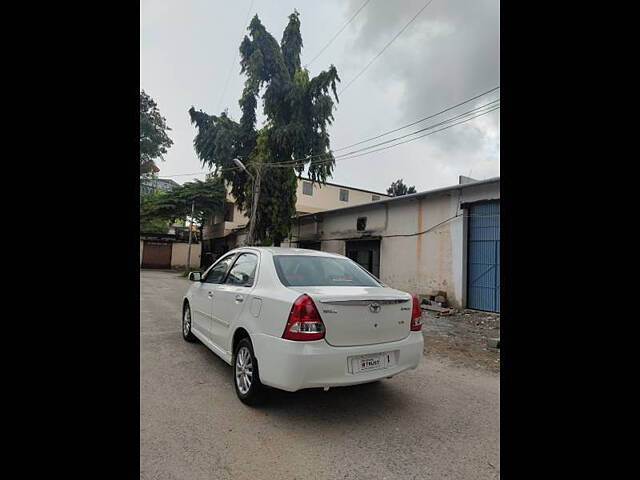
(244, 370)
(187, 334)
(186, 322)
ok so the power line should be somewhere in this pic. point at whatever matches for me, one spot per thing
(421, 136)
(338, 33)
(473, 113)
(226, 83)
(306, 159)
(385, 47)
(418, 121)
(350, 154)
(406, 234)
(449, 120)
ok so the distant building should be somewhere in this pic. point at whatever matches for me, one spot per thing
(220, 232)
(152, 185)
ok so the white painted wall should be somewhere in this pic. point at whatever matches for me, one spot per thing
(433, 261)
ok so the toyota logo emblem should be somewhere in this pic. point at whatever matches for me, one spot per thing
(374, 307)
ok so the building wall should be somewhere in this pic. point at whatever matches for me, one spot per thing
(425, 263)
(179, 254)
(327, 197)
(324, 197)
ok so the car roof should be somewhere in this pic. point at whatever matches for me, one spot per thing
(290, 251)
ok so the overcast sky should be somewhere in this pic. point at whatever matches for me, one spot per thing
(448, 54)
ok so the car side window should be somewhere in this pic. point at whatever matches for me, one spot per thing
(243, 271)
(217, 272)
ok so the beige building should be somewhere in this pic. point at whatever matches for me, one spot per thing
(220, 233)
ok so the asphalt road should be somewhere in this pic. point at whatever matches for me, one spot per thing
(435, 422)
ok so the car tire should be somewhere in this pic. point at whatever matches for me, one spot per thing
(246, 378)
(187, 334)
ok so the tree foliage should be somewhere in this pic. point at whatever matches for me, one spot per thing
(398, 188)
(298, 111)
(165, 207)
(154, 140)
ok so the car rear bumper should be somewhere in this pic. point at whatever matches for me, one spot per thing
(292, 366)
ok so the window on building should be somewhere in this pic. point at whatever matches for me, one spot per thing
(228, 212)
(344, 195)
(375, 198)
(307, 188)
(361, 224)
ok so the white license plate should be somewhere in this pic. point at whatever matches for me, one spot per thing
(366, 363)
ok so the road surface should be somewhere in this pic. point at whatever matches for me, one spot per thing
(435, 422)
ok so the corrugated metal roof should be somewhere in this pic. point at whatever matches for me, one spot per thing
(403, 198)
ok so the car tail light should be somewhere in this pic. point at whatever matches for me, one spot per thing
(304, 321)
(416, 315)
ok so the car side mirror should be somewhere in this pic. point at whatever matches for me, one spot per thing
(195, 276)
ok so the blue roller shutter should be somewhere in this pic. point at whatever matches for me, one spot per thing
(483, 272)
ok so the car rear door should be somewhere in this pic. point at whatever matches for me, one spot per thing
(204, 294)
(232, 295)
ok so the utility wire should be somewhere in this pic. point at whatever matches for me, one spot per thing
(226, 83)
(306, 159)
(338, 33)
(421, 136)
(297, 161)
(430, 127)
(349, 154)
(488, 108)
(405, 234)
(418, 121)
(475, 113)
(385, 47)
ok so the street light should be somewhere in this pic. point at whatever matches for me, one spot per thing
(254, 202)
(241, 165)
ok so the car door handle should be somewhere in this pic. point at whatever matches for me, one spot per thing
(210, 294)
(239, 298)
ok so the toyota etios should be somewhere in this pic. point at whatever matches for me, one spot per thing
(292, 318)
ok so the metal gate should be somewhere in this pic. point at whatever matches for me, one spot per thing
(483, 272)
(156, 255)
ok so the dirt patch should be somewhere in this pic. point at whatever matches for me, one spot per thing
(461, 338)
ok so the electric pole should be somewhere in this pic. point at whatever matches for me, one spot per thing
(255, 181)
(193, 206)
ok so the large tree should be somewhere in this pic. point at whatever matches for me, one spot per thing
(163, 208)
(398, 188)
(298, 110)
(154, 140)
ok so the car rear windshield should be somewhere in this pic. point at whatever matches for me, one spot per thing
(316, 271)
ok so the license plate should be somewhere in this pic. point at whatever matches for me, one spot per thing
(367, 363)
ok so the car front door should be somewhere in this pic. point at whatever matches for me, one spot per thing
(232, 296)
(204, 294)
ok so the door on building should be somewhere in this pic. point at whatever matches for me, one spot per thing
(365, 253)
(483, 269)
(310, 245)
(156, 254)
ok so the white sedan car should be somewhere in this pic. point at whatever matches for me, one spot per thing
(291, 318)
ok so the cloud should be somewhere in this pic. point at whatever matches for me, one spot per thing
(448, 54)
